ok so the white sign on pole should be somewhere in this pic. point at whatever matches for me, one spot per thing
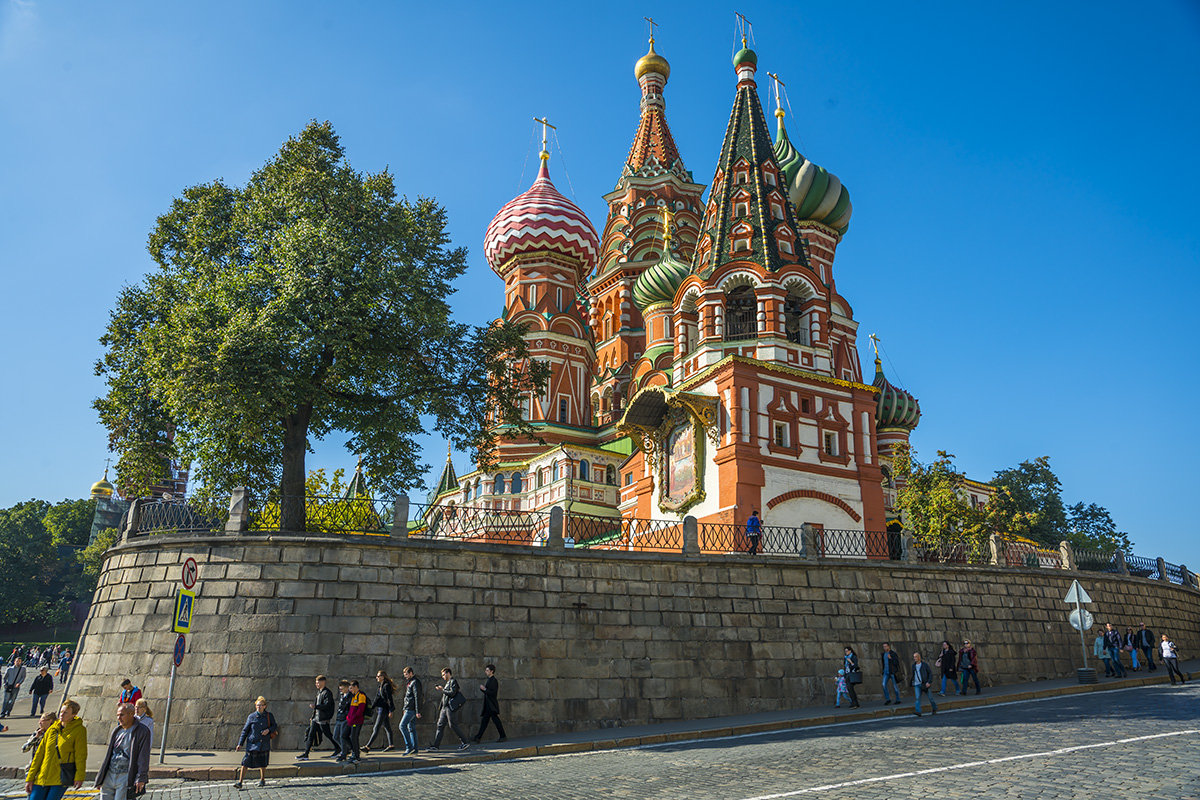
(1081, 619)
(1077, 594)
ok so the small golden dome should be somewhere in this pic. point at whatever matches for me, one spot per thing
(102, 488)
(652, 62)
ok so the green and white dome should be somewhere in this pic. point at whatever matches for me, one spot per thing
(816, 193)
(658, 283)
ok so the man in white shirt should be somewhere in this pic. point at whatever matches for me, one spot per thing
(1170, 657)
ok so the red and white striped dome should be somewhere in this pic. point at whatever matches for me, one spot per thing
(541, 219)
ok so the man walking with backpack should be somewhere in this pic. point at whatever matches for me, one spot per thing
(452, 701)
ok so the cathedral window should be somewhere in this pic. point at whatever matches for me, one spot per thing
(532, 296)
(610, 475)
(830, 444)
(558, 298)
(786, 247)
(777, 211)
(554, 471)
(564, 407)
(498, 485)
(781, 434)
(541, 478)
(795, 325)
(516, 483)
(585, 470)
(741, 314)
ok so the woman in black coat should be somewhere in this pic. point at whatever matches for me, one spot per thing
(948, 661)
(853, 674)
(384, 705)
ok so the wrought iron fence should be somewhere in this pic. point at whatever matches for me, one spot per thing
(1027, 554)
(623, 533)
(478, 524)
(722, 537)
(1174, 573)
(1142, 567)
(158, 516)
(348, 515)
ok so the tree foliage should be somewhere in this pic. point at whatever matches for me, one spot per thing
(1091, 527)
(39, 573)
(311, 301)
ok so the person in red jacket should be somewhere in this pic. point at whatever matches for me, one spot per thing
(129, 693)
(355, 718)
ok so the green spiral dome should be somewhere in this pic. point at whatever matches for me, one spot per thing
(895, 408)
(658, 283)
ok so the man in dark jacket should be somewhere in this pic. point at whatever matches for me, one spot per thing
(1112, 643)
(922, 681)
(891, 674)
(127, 763)
(968, 666)
(491, 704)
(340, 727)
(41, 687)
(14, 676)
(448, 713)
(323, 709)
(412, 711)
(1144, 640)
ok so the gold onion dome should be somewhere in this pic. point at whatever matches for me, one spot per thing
(102, 488)
(652, 62)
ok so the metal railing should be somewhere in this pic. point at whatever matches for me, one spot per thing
(1096, 560)
(478, 524)
(1174, 573)
(354, 515)
(158, 516)
(590, 532)
(954, 552)
(1142, 567)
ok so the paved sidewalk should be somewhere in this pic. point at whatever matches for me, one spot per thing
(221, 765)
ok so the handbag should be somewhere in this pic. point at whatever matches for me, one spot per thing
(66, 771)
(456, 702)
(854, 677)
(271, 724)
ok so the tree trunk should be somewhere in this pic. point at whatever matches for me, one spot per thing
(295, 445)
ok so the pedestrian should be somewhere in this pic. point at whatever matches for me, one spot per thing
(323, 709)
(1170, 657)
(411, 712)
(44, 724)
(126, 768)
(129, 692)
(355, 718)
(922, 680)
(341, 744)
(64, 663)
(1129, 646)
(1145, 642)
(14, 676)
(143, 714)
(41, 687)
(60, 760)
(491, 704)
(384, 704)
(968, 665)
(452, 701)
(853, 674)
(753, 531)
(891, 674)
(948, 661)
(840, 683)
(1100, 651)
(257, 733)
(1112, 643)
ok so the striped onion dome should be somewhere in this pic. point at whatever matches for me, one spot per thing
(541, 219)
(816, 193)
(659, 282)
(895, 408)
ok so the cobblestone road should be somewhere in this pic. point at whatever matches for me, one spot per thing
(1142, 742)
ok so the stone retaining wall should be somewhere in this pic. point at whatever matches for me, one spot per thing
(580, 639)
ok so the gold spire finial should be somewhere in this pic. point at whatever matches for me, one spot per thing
(667, 215)
(745, 26)
(778, 101)
(875, 344)
(545, 154)
(447, 451)
(652, 24)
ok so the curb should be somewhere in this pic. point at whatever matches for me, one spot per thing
(386, 764)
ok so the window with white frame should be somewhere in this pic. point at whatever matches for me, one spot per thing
(781, 434)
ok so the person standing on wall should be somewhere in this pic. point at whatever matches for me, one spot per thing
(891, 674)
(385, 704)
(257, 733)
(853, 674)
(753, 531)
(318, 726)
(1145, 641)
(922, 681)
(411, 711)
(968, 665)
(126, 768)
(41, 687)
(1170, 657)
(452, 701)
(1112, 643)
(948, 661)
(14, 676)
(491, 704)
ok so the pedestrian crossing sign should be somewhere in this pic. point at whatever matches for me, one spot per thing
(185, 601)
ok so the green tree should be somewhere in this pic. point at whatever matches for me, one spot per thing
(1091, 527)
(932, 501)
(91, 558)
(1037, 493)
(70, 522)
(309, 302)
(28, 564)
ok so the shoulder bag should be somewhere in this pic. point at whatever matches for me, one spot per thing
(457, 701)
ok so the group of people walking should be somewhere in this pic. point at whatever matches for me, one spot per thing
(1110, 644)
(21, 662)
(952, 664)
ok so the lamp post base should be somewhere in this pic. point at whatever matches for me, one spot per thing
(1087, 675)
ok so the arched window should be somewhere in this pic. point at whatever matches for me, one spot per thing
(584, 470)
(516, 483)
(795, 323)
(554, 471)
(611, 473)
(741, 314)
(541, 478)
(498, 485)
(478, 488)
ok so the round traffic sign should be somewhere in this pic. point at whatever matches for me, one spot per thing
(1081, 619)
(180, 644)
(191, 571)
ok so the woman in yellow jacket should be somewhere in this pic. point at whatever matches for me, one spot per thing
(61, 757)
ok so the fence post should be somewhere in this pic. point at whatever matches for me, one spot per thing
(400, 518)
(691, 536)
(997, 549)
(1162, 570)
(239, 511)
(555, 540)
(1067, 554)
(808, 542)
(132, 520)
(906, 546)
(1185, 576)
(1122, 567)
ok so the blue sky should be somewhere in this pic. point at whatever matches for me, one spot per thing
(1024, 236)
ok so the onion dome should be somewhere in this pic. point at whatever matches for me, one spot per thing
(541, 219)
(745, 56)
(895, 408)
(652, 62)
(658, 283)
(102, 488)
(815, 193)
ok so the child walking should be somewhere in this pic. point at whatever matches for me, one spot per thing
(841, 688)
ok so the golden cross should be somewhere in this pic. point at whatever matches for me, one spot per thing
(653, 24)
(875, 343)
(746, 25)
(778, 84)
(545, 154)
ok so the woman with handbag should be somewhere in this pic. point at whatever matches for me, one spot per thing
(948, 661)
(257, 733)
(1130, 646)
(853, 674)
(60, 760)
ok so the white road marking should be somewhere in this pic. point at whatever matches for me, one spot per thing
(970, 764)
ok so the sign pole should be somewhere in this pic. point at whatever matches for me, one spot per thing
(162, 742)
(1082, 640)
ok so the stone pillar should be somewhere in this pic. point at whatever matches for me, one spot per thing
(1122, 567)
(808, 547)
(1185, 575)
(997, 548)
(1162, 570)
(239, 511)
(555, 540)
(132, 520)
(1067, 553)
(400, 518)
(691, 536)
